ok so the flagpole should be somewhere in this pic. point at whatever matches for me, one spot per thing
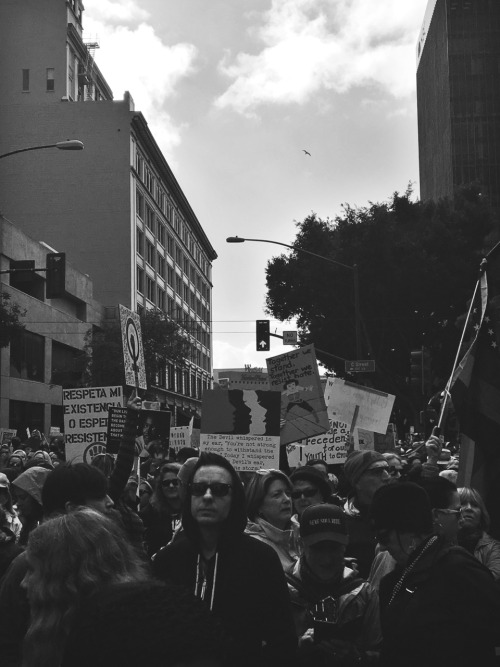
(444, 404)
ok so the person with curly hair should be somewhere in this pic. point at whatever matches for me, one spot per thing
(69, 558)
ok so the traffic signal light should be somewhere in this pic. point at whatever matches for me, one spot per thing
(420, 370)
(416, 370)
(263, 336)
(55, 284)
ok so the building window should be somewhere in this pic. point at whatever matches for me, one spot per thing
(178, 285)
(160, 232)
(186, 294)
(161, 299)
(185, 266)
(27, 357)
(26, 80)
(170, 276)
(178, 255)
(139, 164)
(160, 265)
(151, 252)
(50, 80)
(140, 243)
(151, 289)
(150, 218)
(140, 280)
(170, 245)
(139, 204)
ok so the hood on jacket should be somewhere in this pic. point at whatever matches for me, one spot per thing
(31, 481)
(235, 523)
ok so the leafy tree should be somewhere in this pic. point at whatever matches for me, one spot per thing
(417, 262)
(10, 315)
(101, 361)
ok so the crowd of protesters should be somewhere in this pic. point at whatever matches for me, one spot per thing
(146, 558)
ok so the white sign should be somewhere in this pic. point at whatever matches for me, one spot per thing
(331, 446)
(246, 453)
(289, 338)
(180, 436)
(133, 353)
(374, 407)
(6, 435)
(86, 419)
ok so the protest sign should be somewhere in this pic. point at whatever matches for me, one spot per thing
(86, 419)
(303, 410)
(180, 436)
(116, 423)
(369, 408)
(330, 446)
(133, 352)
(6, 435)
(243, 425)
(153, 425)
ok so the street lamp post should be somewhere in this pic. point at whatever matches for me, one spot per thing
(353, 268)
(69, 145)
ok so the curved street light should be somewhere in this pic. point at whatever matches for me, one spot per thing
(353, 268)
(68, 145)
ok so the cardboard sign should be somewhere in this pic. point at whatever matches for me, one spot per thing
(331, 447)
(86, 419)
(133, 352)
(180, 436)
(303, 411)
(243, 425)
(153, 425)
(246, 453)
(6, 435)
(346, 400)
(116, 423)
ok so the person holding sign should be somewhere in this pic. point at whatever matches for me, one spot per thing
(239, 579)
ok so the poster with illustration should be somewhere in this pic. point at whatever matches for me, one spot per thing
(303, 411)
(243, 425)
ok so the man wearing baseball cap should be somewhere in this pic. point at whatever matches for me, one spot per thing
(336, 612)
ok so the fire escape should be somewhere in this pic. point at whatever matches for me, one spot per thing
(85, 79)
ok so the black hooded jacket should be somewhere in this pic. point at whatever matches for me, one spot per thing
(246, 589)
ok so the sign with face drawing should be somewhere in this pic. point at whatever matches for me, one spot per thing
(243, 425)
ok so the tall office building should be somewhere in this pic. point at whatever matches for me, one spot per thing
(115, 208)
(458, 97)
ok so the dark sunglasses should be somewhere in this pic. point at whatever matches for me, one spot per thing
(307, 493)
(217, 489)
(170, 482)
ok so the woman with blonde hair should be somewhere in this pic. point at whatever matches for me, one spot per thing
(269, 510)
(70, 557)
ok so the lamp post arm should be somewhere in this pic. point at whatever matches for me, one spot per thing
(299, 250)
(23, 150)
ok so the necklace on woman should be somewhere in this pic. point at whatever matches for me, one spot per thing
(410, 567)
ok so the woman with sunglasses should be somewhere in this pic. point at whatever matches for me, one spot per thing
(162, 515)
(439, 606)
(269, 509)
(239, 579)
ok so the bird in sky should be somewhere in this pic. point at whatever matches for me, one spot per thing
(306, 152)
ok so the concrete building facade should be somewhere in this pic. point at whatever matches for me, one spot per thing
(115, 208)
(458, 97)
(35, 365)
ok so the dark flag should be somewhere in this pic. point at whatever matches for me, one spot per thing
(475, 392)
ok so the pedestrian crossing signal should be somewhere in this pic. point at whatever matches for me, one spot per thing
(263, 336)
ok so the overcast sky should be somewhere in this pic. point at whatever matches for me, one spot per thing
(235, 90)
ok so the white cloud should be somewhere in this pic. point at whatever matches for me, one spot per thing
(309, 45)
(107, 11)
(134, 58)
